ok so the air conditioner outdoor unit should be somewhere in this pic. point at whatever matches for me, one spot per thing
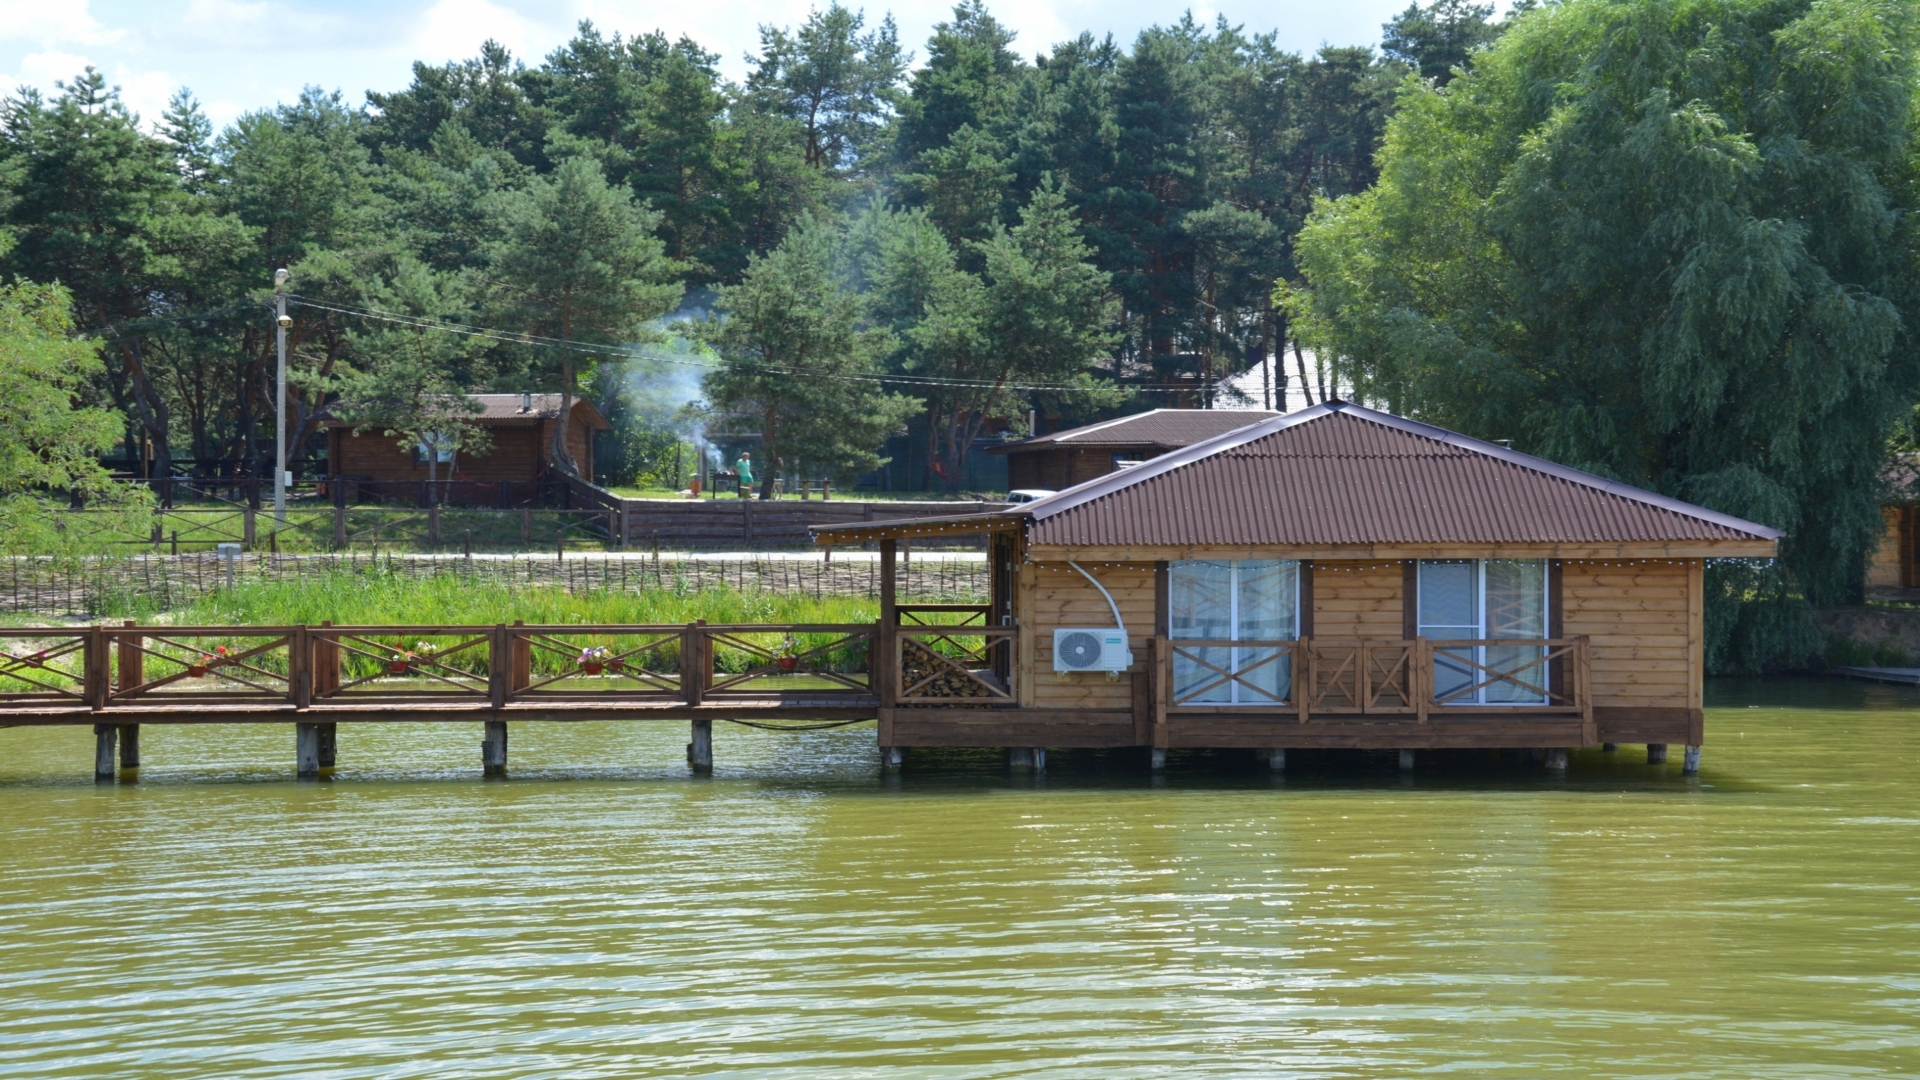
(1090, 649)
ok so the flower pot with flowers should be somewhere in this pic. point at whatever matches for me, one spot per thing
(787, 653)
(594, 660)
(208, 661)
(403, 658)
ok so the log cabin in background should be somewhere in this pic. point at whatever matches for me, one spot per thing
(1334, 578)
(370, 464)
(1894, 566)
(1066, 458)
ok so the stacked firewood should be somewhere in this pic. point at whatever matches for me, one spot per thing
(948, 682)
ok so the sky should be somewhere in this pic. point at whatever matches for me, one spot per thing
(241, 55)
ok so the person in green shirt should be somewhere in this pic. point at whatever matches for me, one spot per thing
(744, 470)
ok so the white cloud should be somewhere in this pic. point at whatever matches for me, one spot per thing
(145, 92)
(455, 29)
(49, 22)
(41, 70)
(226, 14)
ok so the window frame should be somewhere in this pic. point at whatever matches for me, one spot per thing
(1547, 607)
(1230, 644)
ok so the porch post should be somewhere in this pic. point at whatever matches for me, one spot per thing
(883, 665)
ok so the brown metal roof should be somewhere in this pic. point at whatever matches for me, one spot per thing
(509, 408)
(1342, 474)
(1165, 429)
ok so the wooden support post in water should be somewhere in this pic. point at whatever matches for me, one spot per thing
(104, 736)
(1027, 757)
(1690, 762)
(1274, 757)
(493, 749)
(700, 750)
(1157, 758)
(893, 757)
(1406, 761)
(883, 659)
(129, 746)
(1557, 759)
(329, 745)
(306, 750)
(1608, 748)
(1656, 753)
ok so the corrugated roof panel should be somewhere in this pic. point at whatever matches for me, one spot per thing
(1348, 475)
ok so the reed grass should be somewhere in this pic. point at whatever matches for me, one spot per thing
(375, 597)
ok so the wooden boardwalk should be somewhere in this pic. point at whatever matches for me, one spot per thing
(950, 680)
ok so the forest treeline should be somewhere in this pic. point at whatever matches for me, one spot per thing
(1668, 241)
(582, 195)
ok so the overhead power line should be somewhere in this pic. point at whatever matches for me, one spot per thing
(622, 352)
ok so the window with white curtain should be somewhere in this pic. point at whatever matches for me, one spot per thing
(1485, 600)
(1246, 600)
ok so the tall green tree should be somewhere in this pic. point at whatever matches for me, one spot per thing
(48, 444)
(110, 212)
(838, 84)
(577, 260)
(1665, 240)
(1436, 39)
(797, 364)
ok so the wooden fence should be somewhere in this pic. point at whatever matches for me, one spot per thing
(41, 586)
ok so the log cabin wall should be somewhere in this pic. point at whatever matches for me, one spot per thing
(1056, 468)
(1057, 596)
(1357, 599)
(517, 454)
(1892, 564)
(1643, 623)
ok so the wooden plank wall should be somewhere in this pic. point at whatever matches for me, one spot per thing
(515, 456)
(1638, 620)
(1357, 600)
(1888, 566)
(1060, 597)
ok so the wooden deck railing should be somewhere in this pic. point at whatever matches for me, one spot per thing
(308, 666)
(1309, 678)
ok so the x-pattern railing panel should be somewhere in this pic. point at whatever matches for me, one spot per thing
(1274, 652)
(1455, 653)
(1383, 678)
(919, 642)
(41, 669)
(628, 664)
(225, 667)
(806, 663)
(394, 662)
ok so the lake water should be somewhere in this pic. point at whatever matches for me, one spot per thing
(601, 914)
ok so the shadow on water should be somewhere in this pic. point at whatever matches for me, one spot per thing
(844, 760)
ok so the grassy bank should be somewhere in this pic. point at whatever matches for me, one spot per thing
(448, 600)
(368, 598)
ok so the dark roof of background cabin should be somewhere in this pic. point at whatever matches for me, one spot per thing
(1342, 474)
(1168, 429)
(506, 408)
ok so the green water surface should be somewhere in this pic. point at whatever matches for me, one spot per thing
(602, 914)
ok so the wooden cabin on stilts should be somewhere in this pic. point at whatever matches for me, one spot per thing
(1334, 578)
(1337, 578)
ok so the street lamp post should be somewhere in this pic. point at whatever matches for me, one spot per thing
(280, 323)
